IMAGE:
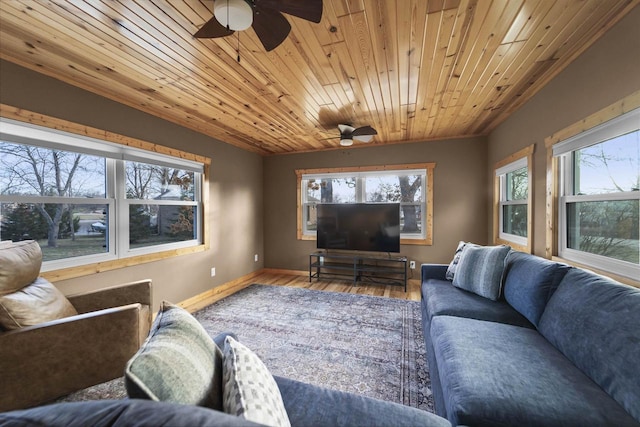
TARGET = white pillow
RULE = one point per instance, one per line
(248, 389)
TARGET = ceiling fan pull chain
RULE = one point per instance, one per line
(228, 29)
(238, 49)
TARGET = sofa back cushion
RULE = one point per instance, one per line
(529, 283)
(595, 323)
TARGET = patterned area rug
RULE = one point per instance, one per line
(355, 343)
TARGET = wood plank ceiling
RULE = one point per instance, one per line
(415, 70)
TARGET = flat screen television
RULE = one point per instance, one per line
(371, 227)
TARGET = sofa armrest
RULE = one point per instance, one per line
(42, 362)
(129, 293)
(434, 271)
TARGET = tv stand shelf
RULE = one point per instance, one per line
(359, 268)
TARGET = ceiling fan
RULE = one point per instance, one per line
(265, 16)
(348, 133)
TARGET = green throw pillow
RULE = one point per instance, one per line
(179, 362)
(480, 270)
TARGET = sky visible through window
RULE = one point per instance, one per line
(611, 166)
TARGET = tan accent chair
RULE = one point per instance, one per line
(43, 361)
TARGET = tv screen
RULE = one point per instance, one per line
(359, 226)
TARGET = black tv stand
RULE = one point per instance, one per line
(359, 268)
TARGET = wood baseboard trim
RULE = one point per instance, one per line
(287, 272)
(202, 300)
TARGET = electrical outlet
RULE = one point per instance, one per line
(213, 271)
(412, 265)
(255, 257)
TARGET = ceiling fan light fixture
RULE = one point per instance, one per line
(346, 142)
(235, 14)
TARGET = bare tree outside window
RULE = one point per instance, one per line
(598, 224)
(35, 171)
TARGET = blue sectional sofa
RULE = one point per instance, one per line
(307, 405)
(177, 379)
(559, 347)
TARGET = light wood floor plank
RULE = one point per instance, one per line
(299, 281)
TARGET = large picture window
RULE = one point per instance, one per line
(599, 196)
(513, 210)
(86, 200)
(408, 185)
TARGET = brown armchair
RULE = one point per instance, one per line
(43, 361)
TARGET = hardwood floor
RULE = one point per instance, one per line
(297, 280)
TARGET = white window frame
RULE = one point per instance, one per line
(563, 152)
(116, 155)
(360, 174)
(501, 174)
(519, 160)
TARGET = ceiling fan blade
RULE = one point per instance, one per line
(346, 129)
(310, 10)
(271, 27)
(365, 131)
(212, 29)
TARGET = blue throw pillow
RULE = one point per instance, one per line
(451, 270)
(480, 270)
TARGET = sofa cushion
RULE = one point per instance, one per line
(595, 322)
(35, 303)
(177, 363)
(20, 264)
(310, 405)
(249, 390)
(480, 270)
(440, 297)
(529, 283)
(496, 374)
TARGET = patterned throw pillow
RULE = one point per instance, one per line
(249, 390)
(451, 270)
(480, 270)
(179, 362)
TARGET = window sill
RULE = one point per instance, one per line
(88, 269)
(514, 245)
(617, 277)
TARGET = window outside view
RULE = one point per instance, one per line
(395, 187)
(158, 216)
(57, 198)
(63, 200)
(604, 218)
(514, 206)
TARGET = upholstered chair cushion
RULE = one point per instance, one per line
(179, 362)
(20, 264)
(36, 303)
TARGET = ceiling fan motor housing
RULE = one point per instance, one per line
(237, 15)
(348, 133)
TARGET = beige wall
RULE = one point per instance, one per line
(235, 213)
(605, 73)
(460, 211)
